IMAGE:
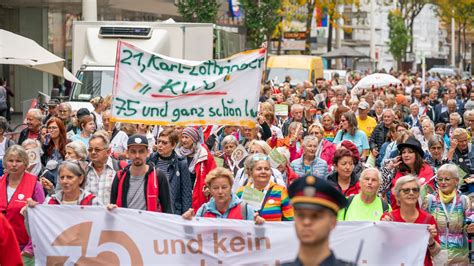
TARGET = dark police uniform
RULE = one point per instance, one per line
(329, 261)
(313, 193)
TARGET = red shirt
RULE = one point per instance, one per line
(423, 218)
(351, 190)
(32, 135)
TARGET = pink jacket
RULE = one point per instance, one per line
(327, 154)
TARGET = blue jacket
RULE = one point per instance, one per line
(181, 186)
(211, 207)
(319, 167)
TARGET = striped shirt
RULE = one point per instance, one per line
(276, 205)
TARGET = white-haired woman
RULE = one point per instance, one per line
(455, 121)
(367, 205)
(452, 212)
(407, 191)
(76, 150)
(229, 144)
(308, 163)
(242, 177)
(330, 130)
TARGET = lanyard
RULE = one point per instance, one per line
(450, 211)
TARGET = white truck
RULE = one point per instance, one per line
(95, 45)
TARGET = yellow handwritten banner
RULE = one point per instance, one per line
(155, 89)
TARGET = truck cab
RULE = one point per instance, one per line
(95, 47)
(96, 81)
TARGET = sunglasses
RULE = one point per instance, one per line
(407, 190)
(96, 150)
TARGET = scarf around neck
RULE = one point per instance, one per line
(447, 198)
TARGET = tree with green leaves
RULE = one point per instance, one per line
(461, 11)
(409, 10)
(399, 37)
(261, 19)
(198, 10)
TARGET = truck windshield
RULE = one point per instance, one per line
(278, 75)
(94, 83)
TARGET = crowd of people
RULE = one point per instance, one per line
(398, 153)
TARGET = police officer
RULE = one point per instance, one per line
(316, 203)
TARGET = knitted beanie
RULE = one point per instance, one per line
(192, 133)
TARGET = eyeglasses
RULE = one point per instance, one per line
(96, 150)
(53, 128)
(164, 142)
(415, 190)
(444, 180)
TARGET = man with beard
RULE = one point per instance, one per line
(140, 186)
(316, 203)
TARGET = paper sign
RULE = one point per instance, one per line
(276, 158)
(253, 197)
(281, 109)
(461, 172)
(319, 98)
(239, 154)
(219, 161)
(155, 89)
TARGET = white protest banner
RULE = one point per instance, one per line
(155, 89)
(94, 236)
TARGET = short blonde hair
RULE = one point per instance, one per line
(219, 172)
(460, 131)
(456, 116)
(16, 150)
(262, 144)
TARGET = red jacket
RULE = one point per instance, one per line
(234, 213)
(84, 202)
(9, 252)
(11, 209)
(202, 169)
(291, 175)
(426, 172)
(152, 190)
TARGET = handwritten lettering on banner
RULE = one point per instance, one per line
(155, 89)
(65, 235)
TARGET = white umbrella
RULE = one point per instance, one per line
(18, 50)
(377, 80)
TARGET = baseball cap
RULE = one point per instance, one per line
(138, 140)
(363, 105)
